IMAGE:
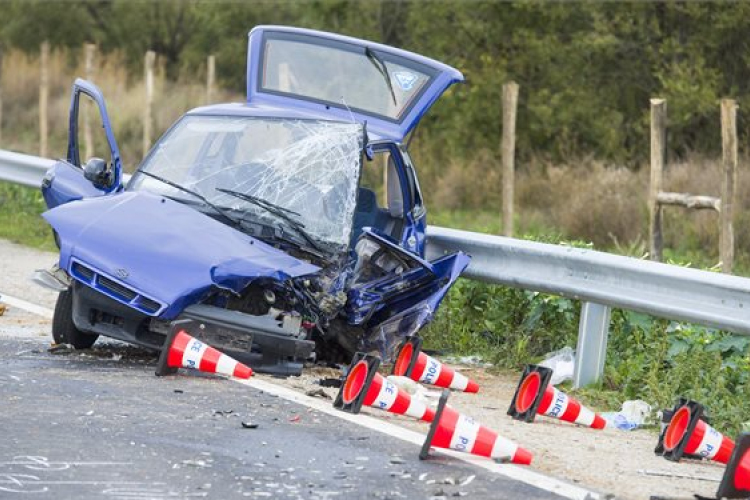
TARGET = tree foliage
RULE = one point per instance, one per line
(587, 69)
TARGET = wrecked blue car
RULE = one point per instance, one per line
(286, 228)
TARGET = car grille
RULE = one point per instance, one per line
(114, 289)
(83, 272)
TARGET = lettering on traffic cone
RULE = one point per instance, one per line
(736, 480)
(365, 386)
(181, 350)
(688, 434)
(455, 431)
(534, 394)
(413, 363)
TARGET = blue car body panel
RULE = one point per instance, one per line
(164, 250)
(406, 312)
(446, 76)
(64, 183)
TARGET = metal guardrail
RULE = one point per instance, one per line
(22, 169)
(600, 280)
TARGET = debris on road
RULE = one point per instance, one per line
(3, 308)
(318, 393)
(660, 473)
(249, 425)
(562, 364)
(61, 349)
(330, 382)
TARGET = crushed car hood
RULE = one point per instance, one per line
(163, 250)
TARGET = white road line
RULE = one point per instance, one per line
(515, 472)
(518, 473)
(26, 306)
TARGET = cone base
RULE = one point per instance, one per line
(425, 451)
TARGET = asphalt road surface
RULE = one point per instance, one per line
(99, 424)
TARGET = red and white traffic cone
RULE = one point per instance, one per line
(688, 434)
(736, 480)
(364, 385)
(181, 350)
(413, 363)
(535, 395)
(455, 431)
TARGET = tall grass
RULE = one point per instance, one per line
(124, 94)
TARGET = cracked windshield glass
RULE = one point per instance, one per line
(308, 169)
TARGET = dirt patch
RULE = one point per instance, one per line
(611, 461)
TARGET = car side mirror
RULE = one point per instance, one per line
(97, 172)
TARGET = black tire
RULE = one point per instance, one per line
(64, 331)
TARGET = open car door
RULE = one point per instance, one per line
(70, 179)
(389, 88)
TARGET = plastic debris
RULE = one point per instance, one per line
(634, 414)
(562, 363)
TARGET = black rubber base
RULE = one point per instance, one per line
(727, 488)
(696, 411)
(425, 452)
(162, 367)
(529, 415)
(416, 344)
(666, 419)
(373, 363)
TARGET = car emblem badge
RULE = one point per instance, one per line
(122, 273)
(405, 79)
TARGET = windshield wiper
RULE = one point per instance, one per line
(278, 211)
(218, 209)
(379, 64)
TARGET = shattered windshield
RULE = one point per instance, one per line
(307, 169)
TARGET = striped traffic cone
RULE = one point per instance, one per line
(688, 434)
(181, 350)
(535, 395)
(736, 480)
(364, 385)
(455, 431)
(413, 363)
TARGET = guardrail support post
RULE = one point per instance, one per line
(591, 352)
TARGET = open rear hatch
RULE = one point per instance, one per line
(346, 77)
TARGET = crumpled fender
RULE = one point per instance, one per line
(163, 249)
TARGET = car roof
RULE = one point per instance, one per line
(252, 110)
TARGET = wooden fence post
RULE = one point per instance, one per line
(658, 160)
(89, 50)
(149, 84)
(729, 184)
(510, 103)
(1, 94)
(210, 78)
(43, 98)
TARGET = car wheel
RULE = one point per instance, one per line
(64, 331)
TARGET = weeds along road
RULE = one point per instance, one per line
(99, 424)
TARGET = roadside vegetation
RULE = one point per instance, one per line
(586, 72)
